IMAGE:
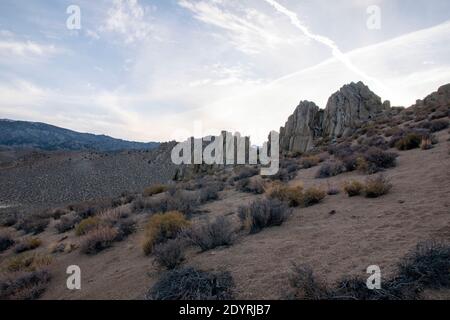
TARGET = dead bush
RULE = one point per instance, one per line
(312, 196)
(353, 188)
(309, 162)
(293, 196)
(408, 142)
(304, 284)
(211, 235)
(169, 254)
(27, 245)
(253, 185)
(245, 172)
(163, 227)
(33, 224)
(262, 214)
(330, 169)
(6, 241)
(376, 160)
(154, 189)
(192, 284)
(98, 239)
(377, 186)
(67, 222)
(24, 285)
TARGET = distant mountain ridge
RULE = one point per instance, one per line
(25, 134)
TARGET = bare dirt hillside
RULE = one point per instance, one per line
(361, 232)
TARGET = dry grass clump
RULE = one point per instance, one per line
(169, 254)
(6, 241)
(292, 195)
(67, 222)
(262, 214)
(253, 185)
(192, 284)
(163, 227)
(87, 225)
(309, 162)
(305, 285)
(27, 262)
(154, 189)
(211, 235)
(377, 186)
(375, 160)
(99, 239)
(27, 244)
(313, 196)
(409, 142)
(353, 188)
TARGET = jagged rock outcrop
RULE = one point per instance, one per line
(346, 110)
(302, 128)
(349, 108)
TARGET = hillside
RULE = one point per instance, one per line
(35, 135)
(371, 191)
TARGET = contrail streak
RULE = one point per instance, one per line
(337, 53)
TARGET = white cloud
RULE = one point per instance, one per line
(26, 49)
(248, 29)
(128, 19)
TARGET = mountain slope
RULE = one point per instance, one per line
(23, 134)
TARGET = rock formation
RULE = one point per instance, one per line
(348, 108)
(302, 128)
(346, 111)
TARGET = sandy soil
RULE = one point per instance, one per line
(363, 232)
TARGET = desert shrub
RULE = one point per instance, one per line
(154, 189)
(169, 254)
(6, 241)
(350, 162)
(87, 225)
(245, 172)
(377, 160)
(435, 125)
(292, 195)
(8, 219)
(251, 185)
(184, 202)
(408, 142)
(330, 169)
(283, 175)
(162, 227)
(24, 286)
(375, 141)
(332, 190)
(353, 188)
(262, 214)
(211, 234)
(67, 222)
(192, 284)
(58, 213)
(27, 245)
(304, 284)
(33, 224)
(312, 196)
(209, 193)
(27, 262)
(377, 186)
(426, 144)
(428, 266)
(125, 198)
(124, 227)
(98, 239)
(153, 204)
(309, 162)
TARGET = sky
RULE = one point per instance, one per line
(157, 70)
